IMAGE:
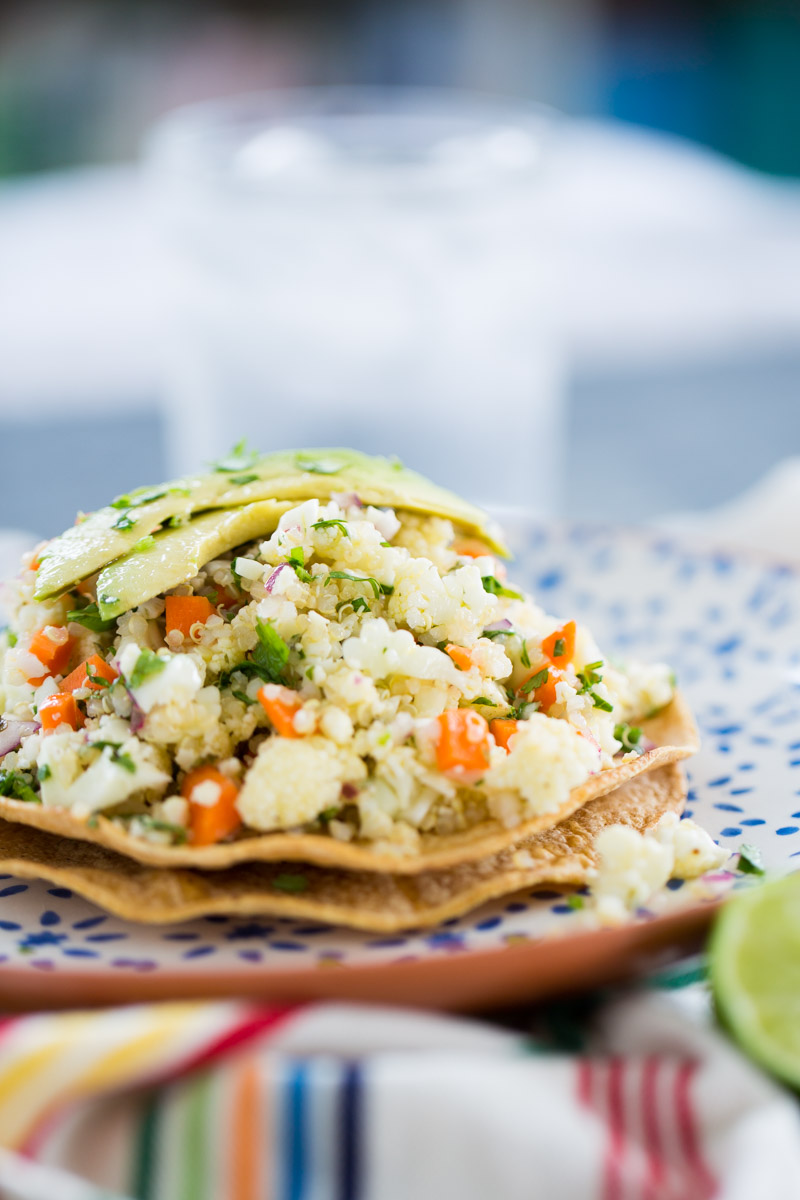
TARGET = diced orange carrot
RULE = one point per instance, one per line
(472, 548)
(460, 656)
(79, 678)
(53, 656)
(565, 634)
(545, 693)
(280, 704)
(502, 729)
(209, 823)
(463, 746)
(185, 611)
(60, 709)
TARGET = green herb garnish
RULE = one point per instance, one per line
(290, 883)
(43, 773)
(239, 459)
(144, 543)
(177, 831)
(559, 648)
(122, 760)
(17, 786)
(90, 618)
(589, 677)
(147, 664)
(11, 639)
(243, 696)
(575, 902)
(329, 524)
(629, 735)
(495, 587)
(377, 588)
(328, 814)
(484, 700)
(524, 657)
(317, 466)
(496, 633)
(241, 480)
(535, 681)
(358, 605)
(750, 861)
(100, 680)
(271, 654)
(296, 558)
(126, 521)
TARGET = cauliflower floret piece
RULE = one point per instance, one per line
(382, 652)
(176, 681)
(695, 850)
(631, 867)
(120, 771)
(547, 759)
(293, 780)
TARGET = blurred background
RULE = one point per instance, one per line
(648, 271)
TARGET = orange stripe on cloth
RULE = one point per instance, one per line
(248, 1177)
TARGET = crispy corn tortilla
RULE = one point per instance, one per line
(672, 730)
(364, 900)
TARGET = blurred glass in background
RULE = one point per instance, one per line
(359, 267)
(668, 274)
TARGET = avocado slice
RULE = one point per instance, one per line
(242, 479)
(176, 555)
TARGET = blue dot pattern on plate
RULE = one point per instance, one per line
(729, 626)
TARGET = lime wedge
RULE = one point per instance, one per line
(754, 958)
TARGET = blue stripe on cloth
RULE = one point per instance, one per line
(295, 1133)
(350, 1132)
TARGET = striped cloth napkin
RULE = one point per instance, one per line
(225, 1101)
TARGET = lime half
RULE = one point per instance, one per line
(754, 956)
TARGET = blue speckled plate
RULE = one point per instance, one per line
(731, 628)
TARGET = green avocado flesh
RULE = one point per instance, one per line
(106, 540)
(178, 554)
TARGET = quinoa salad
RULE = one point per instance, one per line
(361, 672)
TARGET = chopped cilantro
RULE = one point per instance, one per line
(536, 681)
(328, 814)
(495, 587)
(629, 735)
(377, 588)
(317, 466)
(177, 831)
(121, 502)
(243, 696)
(144, 543)
(559, 648)
(600, 703)
(296, 558)
(496, 633)
(176, 521)
(241, 480)
(43, 773)
(271, 654)
(239, 459)
(121, 760)
(386, 543)
(100, 680)
(575, 902)
(290, 883)
(90, 618)
(126, 521)
(484, 700)
(329, 524)
(589, 677)
(750, 861)
(11, 639)
(524, 657)
(17, 786)
(358, 605)
(147, 664)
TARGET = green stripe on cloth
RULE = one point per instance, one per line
(196, 1175)
(144, 1147)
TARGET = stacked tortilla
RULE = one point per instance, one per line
(177, 528)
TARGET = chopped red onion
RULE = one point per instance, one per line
(347, 499)
(12, 732)
(138, 717)
(349, 791)
(504, 623)
(274, 576)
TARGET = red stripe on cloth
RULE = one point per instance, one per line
(248, 1029)
(653, 1142)
(615, 1147)
(703, 1183)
